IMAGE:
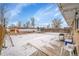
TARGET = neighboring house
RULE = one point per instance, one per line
(71, 15)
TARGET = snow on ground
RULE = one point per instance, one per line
(20, 42)
(19, 51)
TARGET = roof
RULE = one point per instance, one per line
(68, 10)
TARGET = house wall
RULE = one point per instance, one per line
(76, 36)
(76, 39)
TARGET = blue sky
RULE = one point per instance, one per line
(43, 13)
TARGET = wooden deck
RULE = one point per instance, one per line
(50, 49)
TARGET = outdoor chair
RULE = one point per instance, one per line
(68, 41)
(70, 48)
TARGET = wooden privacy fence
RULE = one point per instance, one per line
(2, 34)
(56, 30)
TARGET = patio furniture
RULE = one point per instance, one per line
(70, 48)
(61, 37)
(68, 41)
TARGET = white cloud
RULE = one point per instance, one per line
(57, 14)
(16, 10)
(47, 12)
(15, 23)
(37, 18)
(43, 25)
(57, 9)
(44, 12)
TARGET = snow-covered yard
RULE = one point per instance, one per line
(21, 46)
(20, 40)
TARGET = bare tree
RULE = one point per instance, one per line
(1, 14)
(3, 24)
(33, 21)
(3, 10)
(27, 24)
(19, 23)
(56, 23)
(24, 25)
(48, 26)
